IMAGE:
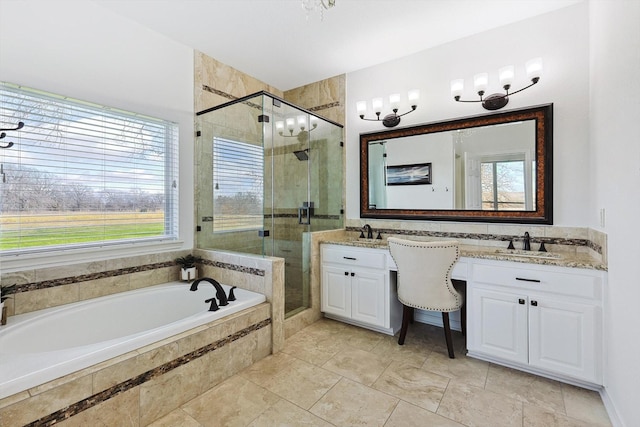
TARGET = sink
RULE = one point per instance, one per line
(528, 254)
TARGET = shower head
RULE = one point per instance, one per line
(301, 154)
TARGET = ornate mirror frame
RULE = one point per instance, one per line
(543, 213)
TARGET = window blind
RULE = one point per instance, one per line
(81, 174)
(237, 185)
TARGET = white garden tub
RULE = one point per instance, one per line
(40, 346)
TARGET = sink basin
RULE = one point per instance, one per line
(527, 254)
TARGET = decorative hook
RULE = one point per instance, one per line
(3, 134)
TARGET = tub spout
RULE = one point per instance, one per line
(222, 297)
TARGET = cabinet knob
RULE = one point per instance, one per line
(521, 301)
(346, 273)
(353, 274)
(534, 303)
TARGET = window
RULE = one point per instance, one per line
(81, 174)
(237, 186)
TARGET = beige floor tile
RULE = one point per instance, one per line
(535, 416)
(408, 415)
(475, 407)
(176, 418)
(585, 405)
(314, 348)
(526, 387)
(413, 352)
(462, 368)
(293, 379)
(358, 365)
(432, 338)
(361, 338)
(350, 403)
(286, 414)
(412, 384)
(234, 402)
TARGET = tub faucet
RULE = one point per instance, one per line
(222, 297)
(526, 242)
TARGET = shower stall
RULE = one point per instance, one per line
(268, 173)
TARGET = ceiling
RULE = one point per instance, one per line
(281, 44)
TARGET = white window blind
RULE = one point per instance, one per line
(237, 186)
(81, 174)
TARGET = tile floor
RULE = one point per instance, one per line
(334, 374)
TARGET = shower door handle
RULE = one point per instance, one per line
(303, 215)
(305, 212)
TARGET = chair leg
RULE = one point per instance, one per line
(447, 334)
(407, 314)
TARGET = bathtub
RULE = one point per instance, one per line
(44, 345)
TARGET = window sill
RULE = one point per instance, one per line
(14, 263)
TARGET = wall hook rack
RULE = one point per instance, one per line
(3, 134)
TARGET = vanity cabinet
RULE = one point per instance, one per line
(542, 319)
(357, 288)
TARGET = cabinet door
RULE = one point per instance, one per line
(563, 336)
(367, 293)
(336, 291)
(498, 324)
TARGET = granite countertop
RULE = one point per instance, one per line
(560, 259)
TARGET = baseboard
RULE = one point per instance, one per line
(611, 408)
(435, 318)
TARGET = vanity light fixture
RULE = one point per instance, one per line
(291, 125)
(506, 75)
(393, 119)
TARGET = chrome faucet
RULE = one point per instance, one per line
(526, 242)
(222, 297)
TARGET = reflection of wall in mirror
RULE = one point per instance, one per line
(377, 178)
(436, 149)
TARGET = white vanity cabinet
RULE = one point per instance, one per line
(357, 288)
(543, 319)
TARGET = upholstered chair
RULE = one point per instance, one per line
(424, 280)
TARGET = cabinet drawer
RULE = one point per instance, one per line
(570, 283)
(372, 258)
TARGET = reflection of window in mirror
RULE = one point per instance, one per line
(505, 182)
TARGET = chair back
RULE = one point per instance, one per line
(424, 273)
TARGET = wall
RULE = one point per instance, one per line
(81, 50)
(564, 83)
(615, 152)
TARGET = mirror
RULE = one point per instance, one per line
(488, 168)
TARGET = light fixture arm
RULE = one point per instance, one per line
(497, 100)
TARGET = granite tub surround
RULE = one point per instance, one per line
(40, 288)
(257, 273)
(143, 385)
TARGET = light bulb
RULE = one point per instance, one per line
(534, 69)
(457, 86)
(480, 82)
(414, 96)
(377, 105)
(394, 101)
(361, 106)
(506, 76)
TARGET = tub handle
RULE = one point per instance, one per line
(231, 296)
(214, 304)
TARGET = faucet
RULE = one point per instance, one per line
(526, 242)
(222, 297)
(369, 231)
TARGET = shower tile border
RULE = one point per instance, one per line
(103, 396)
